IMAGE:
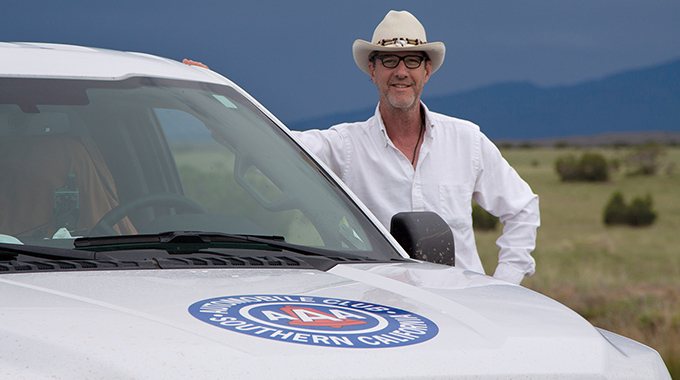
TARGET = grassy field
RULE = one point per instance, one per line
(622, 279)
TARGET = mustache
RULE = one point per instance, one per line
(400, 82)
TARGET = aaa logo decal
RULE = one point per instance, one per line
(318, 321)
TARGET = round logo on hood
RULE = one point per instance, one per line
(317, 321)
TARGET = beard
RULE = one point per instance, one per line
(402, 100)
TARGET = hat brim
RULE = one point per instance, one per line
(363, 49)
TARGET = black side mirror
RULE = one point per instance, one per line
(424, 236)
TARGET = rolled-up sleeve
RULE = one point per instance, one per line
(503, 193)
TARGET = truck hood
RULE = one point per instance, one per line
(402, 320)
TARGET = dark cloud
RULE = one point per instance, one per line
(295, 57)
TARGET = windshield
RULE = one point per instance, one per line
(83, 158)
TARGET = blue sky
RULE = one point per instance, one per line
(295, 57)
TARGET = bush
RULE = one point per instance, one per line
(638, 213)
(482, 220)
(591, 167)
(566, 167)
(644, 161)
(641, 213)
(616, 211)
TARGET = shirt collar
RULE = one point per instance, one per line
(428, 124)
(428, 120)
(381, 125)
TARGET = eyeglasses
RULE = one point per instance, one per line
(391, 61)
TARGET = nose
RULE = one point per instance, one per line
(401, 69)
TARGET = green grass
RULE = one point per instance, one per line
(622, 279)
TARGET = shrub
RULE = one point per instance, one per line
(483, 220)
(591, 167)
(644, 160)
(638, 213)
(566, 167)
(616, 211)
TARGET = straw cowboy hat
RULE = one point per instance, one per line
(399, 31)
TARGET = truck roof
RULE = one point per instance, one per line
(23, 59)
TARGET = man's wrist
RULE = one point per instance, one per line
(508, 273)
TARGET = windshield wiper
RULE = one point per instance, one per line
(47, 252)
(161, 240)
(185, 242)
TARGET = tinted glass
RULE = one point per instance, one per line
(145, 155)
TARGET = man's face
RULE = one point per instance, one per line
(400, 87)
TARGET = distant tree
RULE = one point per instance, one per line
(639, 213)
(616, 211)
(567, 168)
(621, 144)
(591, 167)
(644, 160)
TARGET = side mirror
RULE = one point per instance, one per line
(424, 236)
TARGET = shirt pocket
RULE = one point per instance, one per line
(455, 202)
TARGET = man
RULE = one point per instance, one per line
(407, 158)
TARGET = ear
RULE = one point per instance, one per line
(371, 70)
(428, 70)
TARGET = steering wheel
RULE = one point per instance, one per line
(180, 203)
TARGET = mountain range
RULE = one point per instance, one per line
(636, 101)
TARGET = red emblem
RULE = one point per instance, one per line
(306, 316)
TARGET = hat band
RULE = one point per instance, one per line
(400, 41)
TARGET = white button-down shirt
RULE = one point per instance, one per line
(457, 163)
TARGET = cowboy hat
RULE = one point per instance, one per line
(399, 31)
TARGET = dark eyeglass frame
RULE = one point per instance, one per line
(382, 57)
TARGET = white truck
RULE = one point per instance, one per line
(156, 222)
